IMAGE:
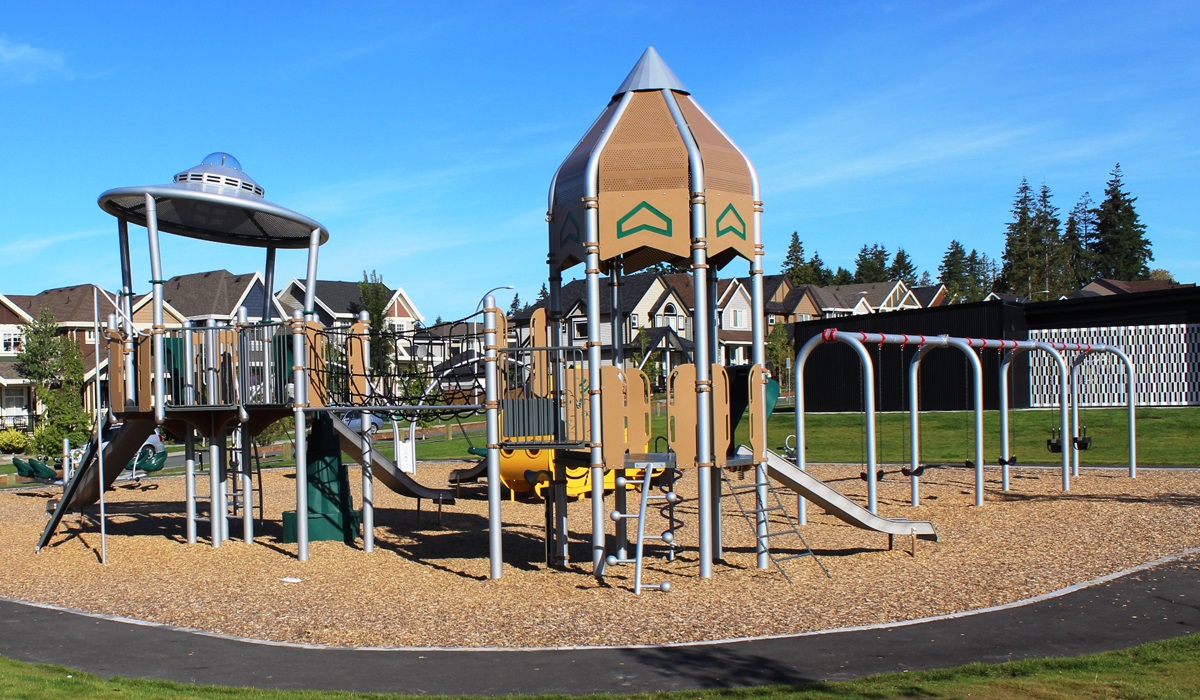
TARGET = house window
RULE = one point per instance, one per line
(770, 319)
(739, 318)
(10, 341)
(90, 337)
(581, 330)
(633, 321)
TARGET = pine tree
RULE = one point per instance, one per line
(794, 263)
(903, 268)
(871, 265)
(822, 276)
(1121, 249)
(926, 279)
(374, 297)
(1054, 277)
(1079, 237)
(953, 272)
(842, 276)
(1016, 276)
(515, 307)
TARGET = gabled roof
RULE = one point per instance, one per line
(70, 305)
(212, 294)
(771, 284)
(633, 289)
(932, 295)
(343, 300)
(681, 282)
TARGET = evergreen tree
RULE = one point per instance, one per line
(979, 276)
(1016, 275)
(926, 279)
(794, 264)
(903, 268)
(953, 272)
(374, 296)
(542, 295)
(515, 307)
(871, 265)
(778, 350)
(1079, 237)
(822, 276)
(1121, 248)
(842, 276)
(1054, 277)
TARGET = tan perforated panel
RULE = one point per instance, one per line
(644, 183)
(728, 189)
(566, 230)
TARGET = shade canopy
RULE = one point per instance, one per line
(215, 201)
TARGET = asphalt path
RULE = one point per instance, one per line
(1159, 601)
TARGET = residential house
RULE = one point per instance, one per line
(214, 295)
(74, 308)
(931, 295)
(1106, 287)
(339, 303)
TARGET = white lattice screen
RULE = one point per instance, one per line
(1166, 359)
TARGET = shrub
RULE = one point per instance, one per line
(13, 441)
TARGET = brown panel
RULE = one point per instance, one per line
(757, 413)
(356, 362)
(144, 367)
(722, 432)
(729, 205)
(644, 197)
(116, 371)
(567, 215)
(612, 417)
(681, 415)
(10, 317)
(314, 343)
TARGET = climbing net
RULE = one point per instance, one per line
(416, 374)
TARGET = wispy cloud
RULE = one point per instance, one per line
(25, 64)
(23, 247)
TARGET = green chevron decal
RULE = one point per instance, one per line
(731, 222)
(644, 217)
(569, 231)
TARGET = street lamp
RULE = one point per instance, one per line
(479, 306)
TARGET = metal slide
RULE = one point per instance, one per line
(385, 470)
(121, 444)
(838, 505)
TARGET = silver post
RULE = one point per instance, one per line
(491, 399)
(1005, 369)
(189, 466)
(365, 426)
(299, 403)
(160, 408)
(269, 285)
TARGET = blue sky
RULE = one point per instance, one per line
(424, 135)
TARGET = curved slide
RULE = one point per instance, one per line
(121, 444)
(385, 470)
(837, 504)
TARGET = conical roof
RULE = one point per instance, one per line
(651, 72)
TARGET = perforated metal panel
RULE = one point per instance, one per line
(644, 184)
(728, 189)
(567, 215)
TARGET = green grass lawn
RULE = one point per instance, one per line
(1164, 437)
(1169, 669)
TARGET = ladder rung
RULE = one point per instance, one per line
(768, 509)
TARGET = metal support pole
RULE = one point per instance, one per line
(559, 486)
(160, 408)
(310, 279)
(492, 401)
(243, 437)
(914, 422)
(299, 403)
(366, 426)
(189, 467)
(1074, 390)
(126, 308)
(701, 328)
(1063, 399)
(977, 382)
(269, 286)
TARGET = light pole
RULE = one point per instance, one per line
(479, 306)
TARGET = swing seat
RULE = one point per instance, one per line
(878, 475)
(1083, 443)
(919, 471)
(1054, 445)
(1011, 461)
(969, 464)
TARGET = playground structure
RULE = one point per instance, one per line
(654, 180)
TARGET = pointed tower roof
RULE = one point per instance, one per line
(651, 73)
